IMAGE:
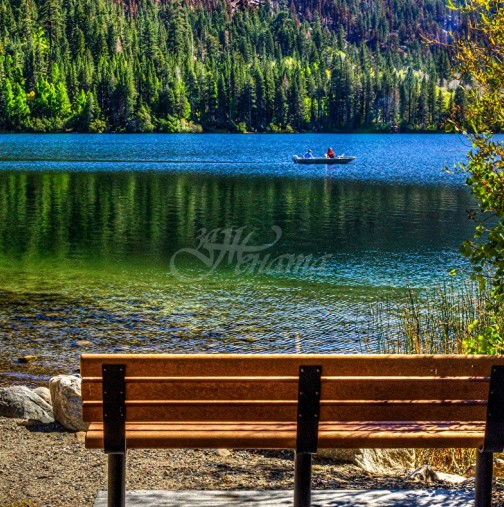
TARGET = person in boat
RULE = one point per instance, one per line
(308, 154)
(330, 153)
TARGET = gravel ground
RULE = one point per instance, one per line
(46, 466)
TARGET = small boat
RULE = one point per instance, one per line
(340, 159)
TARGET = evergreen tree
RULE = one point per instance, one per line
(95, 64)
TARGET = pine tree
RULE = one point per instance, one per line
(134, 65)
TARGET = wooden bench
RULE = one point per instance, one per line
(296, 402)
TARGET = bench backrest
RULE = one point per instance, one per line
(229, 387)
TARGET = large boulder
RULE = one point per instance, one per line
(379, 461)
(21, 402)
(44, 393)
(67, 402)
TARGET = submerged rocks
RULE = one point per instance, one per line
(27, 359)
(23, 403)
(67, 402)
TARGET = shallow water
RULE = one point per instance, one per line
(193, 243)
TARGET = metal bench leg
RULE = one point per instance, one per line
(302, 480)
(484, 472)
(116, 480)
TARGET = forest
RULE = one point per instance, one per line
(221, 66)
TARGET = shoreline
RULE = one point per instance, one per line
(219, 132)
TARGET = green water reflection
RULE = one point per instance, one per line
(146, 217)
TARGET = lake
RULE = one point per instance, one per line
(216, 243)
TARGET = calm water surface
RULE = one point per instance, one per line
(198, 243)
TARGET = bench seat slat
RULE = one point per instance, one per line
(287, 411)
(325, 378)
(379, 365)
(280, 403)
(280, 435)
(285, 388)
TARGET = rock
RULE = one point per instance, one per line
(21, 402)
(44, 393)
(81, 436)
(67, 402)
(83, 343)
(27, 359)
(380, 461)
(427, 474)
(224, 453)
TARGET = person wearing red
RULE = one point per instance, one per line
(330, 153)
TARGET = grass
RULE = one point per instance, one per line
(434, 321)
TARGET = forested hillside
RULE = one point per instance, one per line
(148, 65)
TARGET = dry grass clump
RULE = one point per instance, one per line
(454, 461)
(434, 321)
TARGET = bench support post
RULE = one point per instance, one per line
(483, 486)
(114, 435)
(302, 480)
(116, 496)
(494, 438)
(307, 431)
